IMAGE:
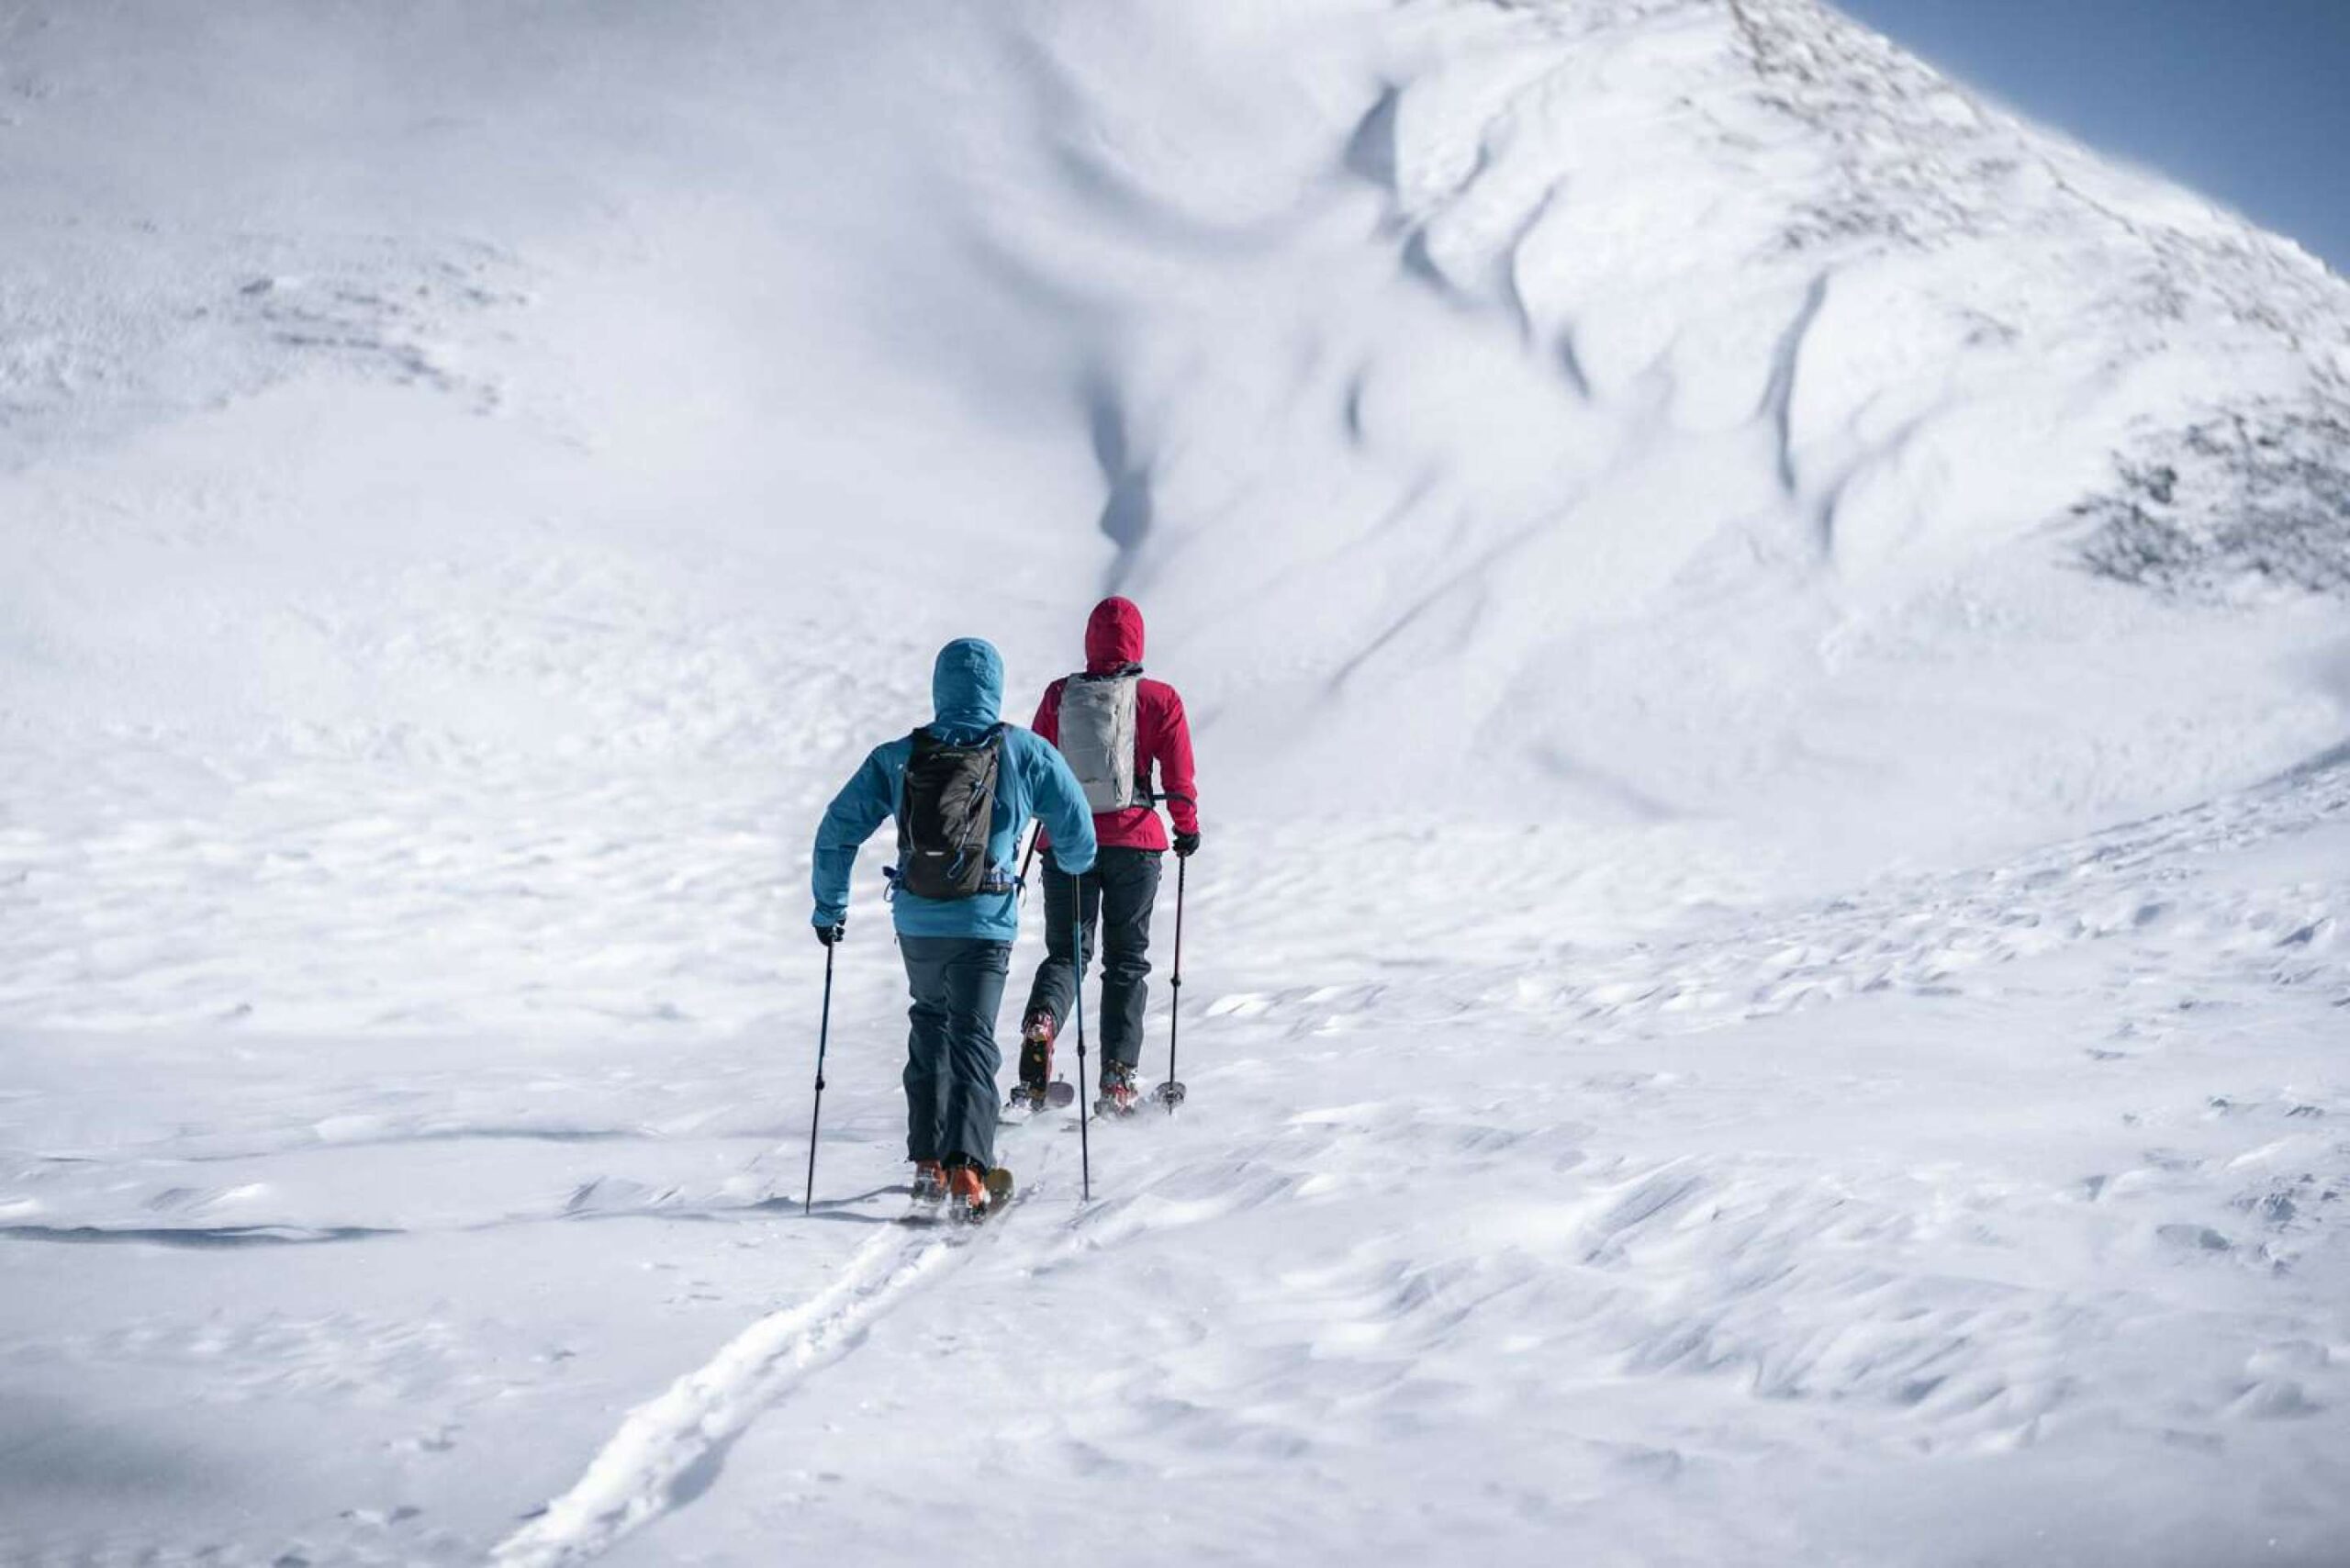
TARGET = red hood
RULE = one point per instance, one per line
(1113, 637)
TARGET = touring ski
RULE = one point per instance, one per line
(949, 1208)
(1025, 1101)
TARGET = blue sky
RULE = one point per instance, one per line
(2246, 100)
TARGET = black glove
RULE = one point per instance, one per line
(1186, 846)
(828, 934)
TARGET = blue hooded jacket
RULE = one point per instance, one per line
(966, 691)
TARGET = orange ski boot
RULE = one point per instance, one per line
(930, 1183)
(974, 1191)
(968, 1197)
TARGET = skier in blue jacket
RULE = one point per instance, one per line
(957, 951)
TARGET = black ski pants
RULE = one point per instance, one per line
(951, 1059)
(1117, 895)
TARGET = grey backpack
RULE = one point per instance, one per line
(1098, 739)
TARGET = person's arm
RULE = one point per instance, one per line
(1049, 715)
(1176, 782)
(1059, 801)
(860, 807)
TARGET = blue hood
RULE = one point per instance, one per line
(965, 690)
(1035, 780)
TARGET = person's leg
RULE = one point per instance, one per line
(1056, 984)
(926, 1075)
(1089, 914)
(1068, 901)
(1130, 888)
(974, 978)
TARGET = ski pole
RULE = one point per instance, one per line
(1173, 1092)
(1084, 1132)
(823, 1036)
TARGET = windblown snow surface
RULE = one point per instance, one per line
(1768, 982)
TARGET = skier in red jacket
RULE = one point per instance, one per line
(1118, 731)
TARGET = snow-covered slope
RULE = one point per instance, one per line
(1769, 662)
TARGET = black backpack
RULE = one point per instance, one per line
(945, 816)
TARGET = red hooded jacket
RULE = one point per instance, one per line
(1162, 735)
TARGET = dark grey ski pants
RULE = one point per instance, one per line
(951, 1060)
(1118, 893)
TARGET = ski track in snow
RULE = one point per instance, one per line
(669, 1449)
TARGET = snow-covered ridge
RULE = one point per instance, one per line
(1684, 326)
(2269, 467)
